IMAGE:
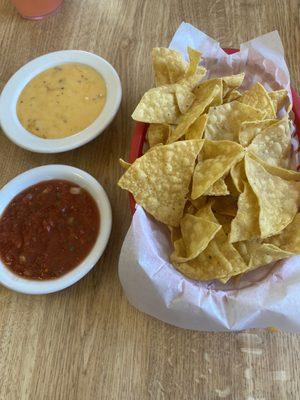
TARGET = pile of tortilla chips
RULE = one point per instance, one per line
(217, 170)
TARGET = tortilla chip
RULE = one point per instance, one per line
(196, 130)
(231, 186)
(217, 159)
(231, 96)
(232, 82)
(224, 122)
(286, 174)
(238, 175)
(124, 164)
(192, 81)
(278, 198)
(243, 249)
(245, 226)
(175, 233)
(258, 97)
(219, 188)
(189, 208)
(192, 115)
(168, 66)
(273, 144)
(289, 238)
(159, 106)
(159, 180)
(157, 133)
(210, 86)
(226, 205)
(249, 130)
(184, 97)
(199, 203)
(196, 234)
(225, 221)
(257, 254)
(279, 99)
(219, 260)
(195, 57)
(185, 122)
(265, 254)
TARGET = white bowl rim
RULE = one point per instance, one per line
(83, 179)
(11, 125)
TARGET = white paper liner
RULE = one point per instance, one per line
(265, 297)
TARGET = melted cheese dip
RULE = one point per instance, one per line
(62, 101)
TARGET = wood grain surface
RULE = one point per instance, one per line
(87, 342)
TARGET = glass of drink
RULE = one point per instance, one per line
(36, 9)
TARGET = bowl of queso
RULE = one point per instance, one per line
(55, 223)
(60, 101)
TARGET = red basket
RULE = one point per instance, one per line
(140, 130)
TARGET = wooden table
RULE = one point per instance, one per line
(87, 342)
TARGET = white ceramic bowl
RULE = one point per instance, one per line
(81, 178)
(19, 135)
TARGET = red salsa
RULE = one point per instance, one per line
(48, 229)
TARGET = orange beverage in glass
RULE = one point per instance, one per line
(36, 9)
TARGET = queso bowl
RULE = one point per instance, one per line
(19, 135)
(86, 181)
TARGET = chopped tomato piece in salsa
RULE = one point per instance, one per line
(48, 229)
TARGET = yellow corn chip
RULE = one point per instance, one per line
(278, 198)
(265, 254)
(231, 96)
(232, 82)
(289, 238)
(286, 174)
(199, 203)
(219, 188)
(157, 133)
(168, 66)
(124, 164)
(257, 254)
(158, 105)
(195, 57)
(154, 147)
(273, 144)
(184, 97)
(185, 122)
(192, 81)
(217, 159)
(175, 233)
(219, 260)
(225, 221)
(279, 99)
(196, 130)
(224, 122)
(231, 186)
(189, 208)
(258, 97)
(210, 86)
(238, 175)
(244, 249)
(188, 119)
(245, 225)
(196, 234)
(159, 180)
(249, 130)
(226, 205)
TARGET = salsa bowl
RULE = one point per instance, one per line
(92, 186)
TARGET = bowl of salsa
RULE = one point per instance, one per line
(55, 223)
